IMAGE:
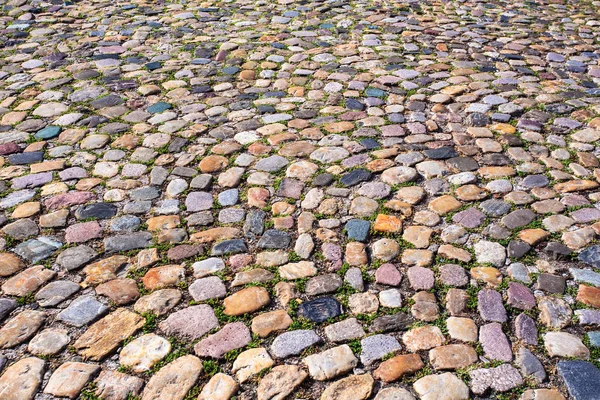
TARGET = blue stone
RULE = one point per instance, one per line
(582, 379)
(594, 337)
(326, 26)
(374, 92)
(370, 144)
(48, 132)
(358, 229)
(591, 256)
(200, 61)
(151, 66)
(159, 107)
(230, 70)
(29, 157)
(228, 197)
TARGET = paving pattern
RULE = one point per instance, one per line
(269, 199)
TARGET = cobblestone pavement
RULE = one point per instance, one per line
(269, 199)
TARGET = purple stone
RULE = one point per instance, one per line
(494, 342)
(469, 218)
(198, 201)
(586, 215)
(331, 251)
(575, 200)
(588, 317)
(416, 128)
(72, 173)
(490, 306)
(356, 160)
(453, 275)
(526, 330)
(567, 123)
(420, 278)
(392, 130)
(529, 124)
(519, 296)
(32, 180)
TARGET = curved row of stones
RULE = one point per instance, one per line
(299, 199)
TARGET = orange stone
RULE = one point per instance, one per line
(213, 163)
(454, 253)
(496, 172)
(387, 223)
(533, 236)
(163, 222)
(246, 301)
(164, 276)
(211, 235)
(575, 186)
(444, 205)
(489, 275)
(471, 193)
(589, 295)
(398, 366)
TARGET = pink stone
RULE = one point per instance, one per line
(9, 148)
(420, 278)
(221, 55)
(239, 261)
(494, 342)
(113, 50)
(83, 232)
(68, 199)
(387, 274)
(392, 130)
(232, 336)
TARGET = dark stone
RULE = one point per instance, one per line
(591, 256)
(358, 229)
(478, 119)
(131, 241)
(495, 159)
(518, 218)
(255, 223)
(582, 379)
(274, 239)
(233, 246)
(495, 207)
(517, 249)
(6, 306)
(354, 104)
(533, 181)
(321, 309)
(355, 177)
(394, 322)
(322, 180)
(97, 210)
(551, 283)
(441, 153)
(107, 101)
(370, 144)
(557, 251)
